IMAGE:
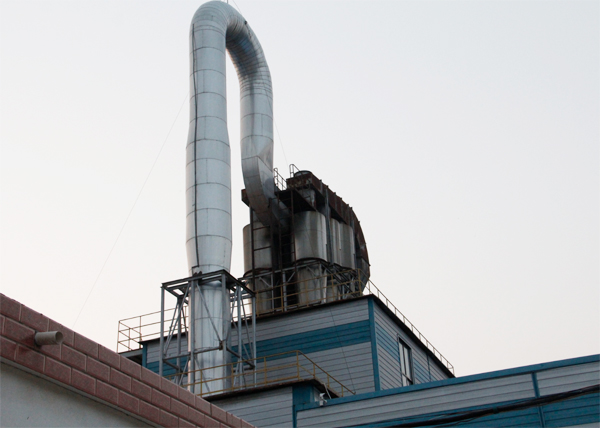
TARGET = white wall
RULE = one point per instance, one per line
(30, 401)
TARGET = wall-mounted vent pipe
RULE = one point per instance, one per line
(48, 338)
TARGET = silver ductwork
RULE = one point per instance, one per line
(310, 233)
(257, 247)
(217, 28)
(310, 241)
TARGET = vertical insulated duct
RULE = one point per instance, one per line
(217, 28)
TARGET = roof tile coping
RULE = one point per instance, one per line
(82, 365)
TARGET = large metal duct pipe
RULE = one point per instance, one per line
(217, 27)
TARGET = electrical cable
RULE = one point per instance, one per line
(236, 5)
(520, 405)
(130, 211)
(341, 348)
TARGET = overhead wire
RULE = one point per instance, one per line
(130, 211)
(454, 418)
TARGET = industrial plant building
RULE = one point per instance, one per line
(303, 338)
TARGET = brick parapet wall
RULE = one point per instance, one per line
(83, 365)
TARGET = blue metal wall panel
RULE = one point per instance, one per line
(167, 369)
(374, 356)
(315, 340)
(522, 418)
(273, 408)
(387, 342)
(577, 411)
(421, 374)
(390, 345)
(432, 400)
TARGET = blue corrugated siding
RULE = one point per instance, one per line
(372, 324)
(167, 369)
(421, 374)
(315, 340)
(387, 342)
(577, 411)
(390, 345)
(521, 418)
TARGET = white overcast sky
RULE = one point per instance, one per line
(465, 135)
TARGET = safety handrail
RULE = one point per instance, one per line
(296, 367)
(134, 330)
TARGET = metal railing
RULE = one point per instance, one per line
(280, 182)
(370, 288)
(272, 299)
(133, 331)
(294, 366)
(323, 287)
(332, 290)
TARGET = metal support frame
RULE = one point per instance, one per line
(347, 282)
(242, 304)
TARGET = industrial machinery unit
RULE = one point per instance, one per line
(321, 256)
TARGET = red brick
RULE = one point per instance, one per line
(52, 350)
(222, 425)
(129, 402)
(149, 412)
(9, 307)
(107, 392)
(234, 421)
(19, 333)
(120, 380)
(109, 357)
(85, 345)
(150, 378)
(73, 358)
(185, 424)
(218, 413)
(196, 417)
(83, 382)
(8, 348)
(169, 387)
(246, 424)
(168, 420)
(141, 390)
(186, 397)
(1, 323)
(58, 371)
(29, 358)
(97, 369)
(178, 408)
(211, 423)
(131, 368)
(161, 400)
(33, 319)
(202, 405)
(67, 333)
